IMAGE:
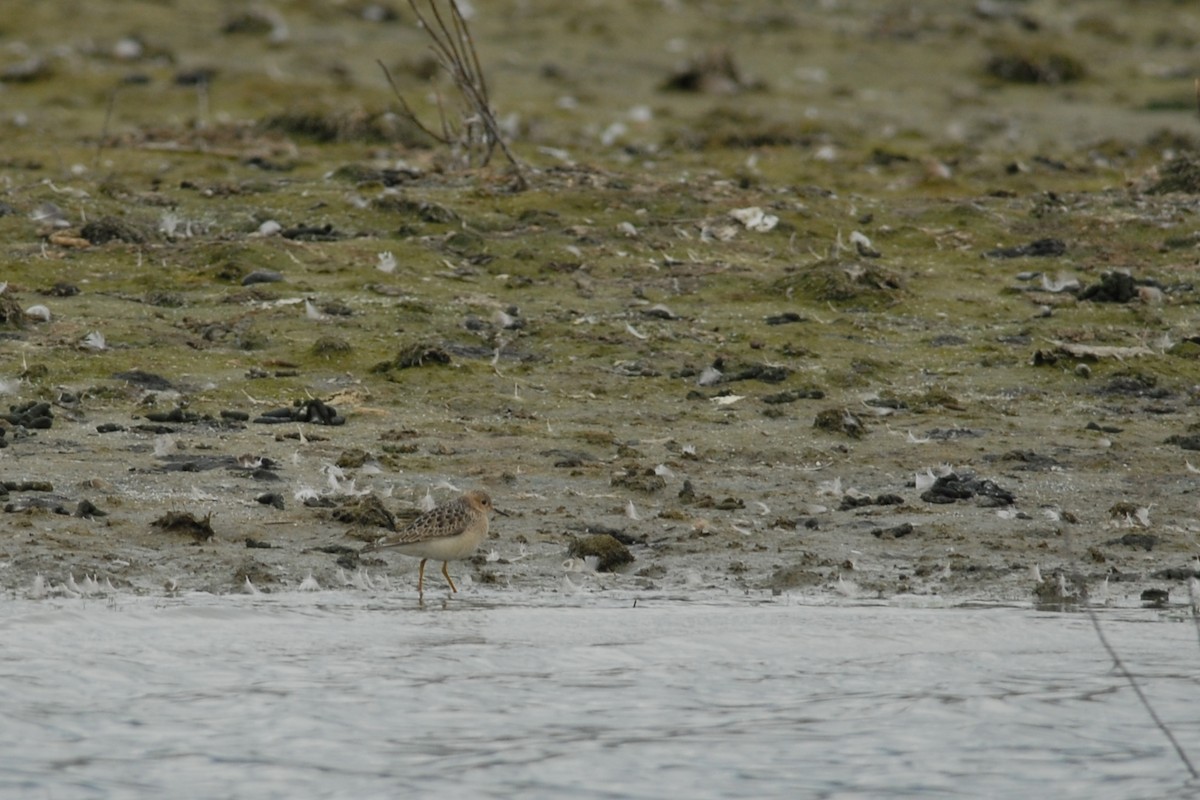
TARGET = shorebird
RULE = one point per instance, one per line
(449, 532)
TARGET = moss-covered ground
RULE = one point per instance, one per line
(739, 219)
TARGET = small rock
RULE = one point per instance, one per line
(273, 499)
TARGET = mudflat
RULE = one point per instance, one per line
(776, 297)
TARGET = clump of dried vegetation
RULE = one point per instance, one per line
(474, 132)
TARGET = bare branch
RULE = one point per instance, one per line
(478, 132)
(407, 111)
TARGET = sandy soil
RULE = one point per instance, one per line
(777, 268)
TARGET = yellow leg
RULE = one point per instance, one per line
(421, 579)
(453, 588)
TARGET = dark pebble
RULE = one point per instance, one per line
(174, 415)
(157, 430)
(785, 318)
(262, 276)
(792, 395)
(274, 499)
(1143, 541)
(336, 550)
(1155, 598)
(197, 76)
(895, 532)
(87, 510)
(309, 411)
(849, 503)
(144, 380)
(312, 233)
(1037, 248)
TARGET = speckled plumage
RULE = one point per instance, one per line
(449, 532)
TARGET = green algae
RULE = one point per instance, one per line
(853, 125)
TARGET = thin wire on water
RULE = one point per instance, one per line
(1194, 597)
(1121, 668)
(1120, 665)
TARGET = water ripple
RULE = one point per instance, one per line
(346, 696)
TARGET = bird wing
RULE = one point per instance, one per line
(435, 524)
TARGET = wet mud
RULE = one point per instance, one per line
(780, 297)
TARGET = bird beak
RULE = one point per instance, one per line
(499, 511)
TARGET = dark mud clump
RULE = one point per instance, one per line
(111, 229)
(1034, 65)
(1181, 174)
(331, 347)
(714, 72)
(639, 480)
(792, 395)
(32, 415)
(840, 420)
(894, 532)
(951, 488)
(365, 512)
(1035, 249)
(1114, 287)
(310, 410)
(837, 281)
(186, 523)
(144, 380)
(417, 354)
(850, 502)
(608, 552)
(795, 576)
(11, 313)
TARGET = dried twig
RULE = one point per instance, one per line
(411, 115)
(477, 132)
(108, 112)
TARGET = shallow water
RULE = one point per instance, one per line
(348, 695)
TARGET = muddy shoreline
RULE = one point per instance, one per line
(773, 280)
